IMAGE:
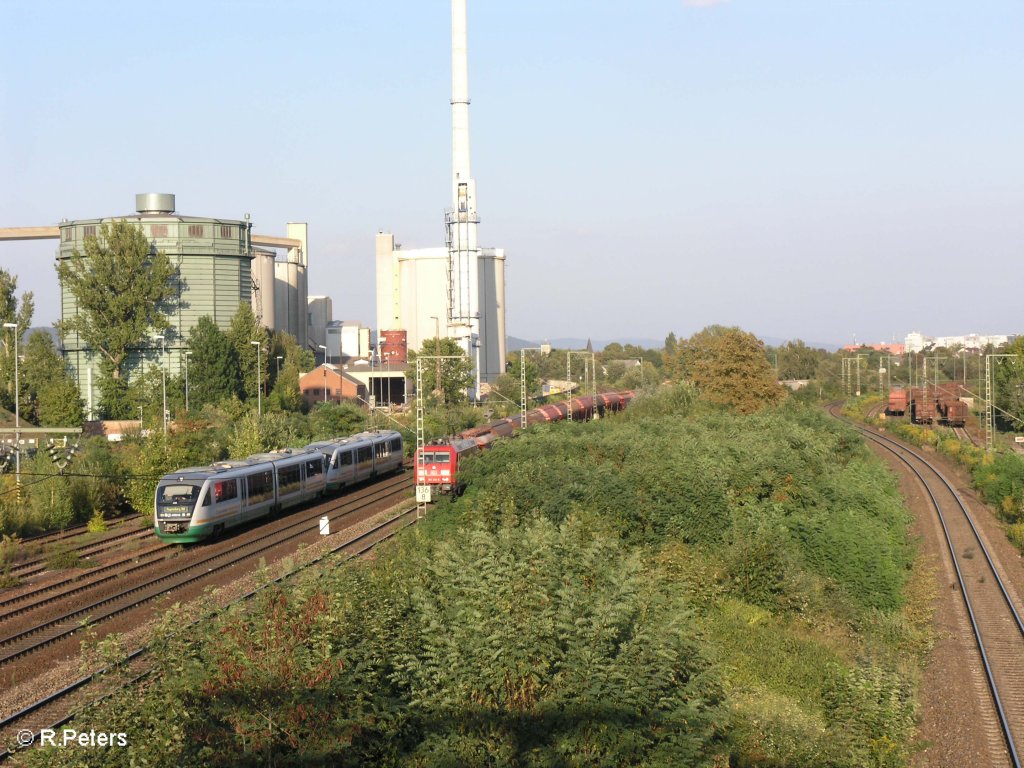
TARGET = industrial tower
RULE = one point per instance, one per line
(458, 291)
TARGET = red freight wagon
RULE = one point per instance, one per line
(898, 399)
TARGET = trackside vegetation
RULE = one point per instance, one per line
(676, 586)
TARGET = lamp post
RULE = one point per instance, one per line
(187, 356)
(279, 366)
(17, 409)
(163, 374)
(259, 371)
(437, 354)
(325, 370)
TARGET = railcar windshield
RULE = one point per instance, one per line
(177, 495)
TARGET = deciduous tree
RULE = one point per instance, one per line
(19, 313)
(729, 368)
(245, 329)
(124, 291)
(213, 365)
(48, 389)
(456, 374)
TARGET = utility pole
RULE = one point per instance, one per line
(522, 383)
(859, 356)
(990, 404)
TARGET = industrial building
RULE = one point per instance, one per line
(221, 265)
(458, 290)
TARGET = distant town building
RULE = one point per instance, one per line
(892, 349)
(918, 342)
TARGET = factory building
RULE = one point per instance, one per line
(458, 290)
(320, 311)
(221, 265)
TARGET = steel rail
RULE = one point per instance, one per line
(888, 443)
(254, 547)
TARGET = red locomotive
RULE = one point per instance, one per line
(437, 464)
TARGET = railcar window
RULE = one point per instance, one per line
(225, 490)
(289, 477)
(396, 445)
(178, 495)
(261, 487)
(364, 455)
(442, 458)
(314, 467)
(346, 459)
(381, 450)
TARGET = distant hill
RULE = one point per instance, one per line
(515, 344)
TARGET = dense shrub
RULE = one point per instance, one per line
(685, 587)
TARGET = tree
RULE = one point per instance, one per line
(1008, 381)
(21, 315)
(729, 368)
(510, 384)
(213, 365)
(123, 291)
(50, 395)
(671, 360)
(286, 395)
(798, 361)
(245, 329)
(456, 375)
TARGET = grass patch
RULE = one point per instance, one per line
(61, 558)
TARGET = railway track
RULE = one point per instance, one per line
(962, 434)
(37, 636)
(71, 531)
(85, 550)
(993, 613)
(53, 710)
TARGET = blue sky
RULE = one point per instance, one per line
(802, 169)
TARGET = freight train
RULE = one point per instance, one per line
(926, 405)
(437, 464)
(198, 502)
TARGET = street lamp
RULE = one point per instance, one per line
(325, 370)
(437, 354)
(17, 409)
(279, 366)
(163, 375)
(259, 371)
(187, 356)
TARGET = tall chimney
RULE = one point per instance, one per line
(463, 294)
(460, 99)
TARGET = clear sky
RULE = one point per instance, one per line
(810, 168)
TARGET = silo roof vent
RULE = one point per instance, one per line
(154, 202)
